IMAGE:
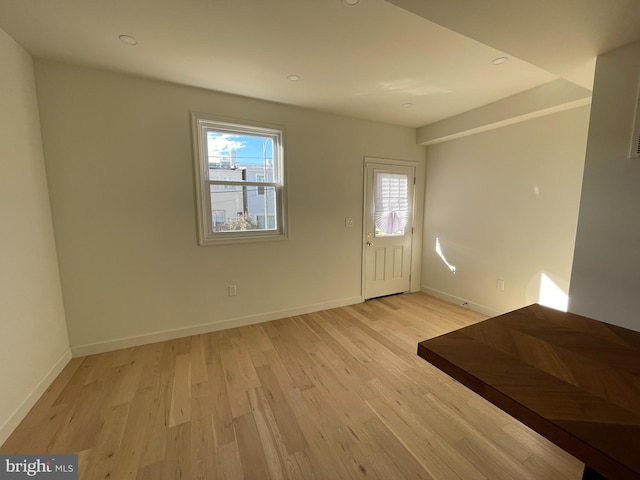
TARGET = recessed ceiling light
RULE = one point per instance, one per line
(294, 78)
(499, 60)
(351, 3)
(407, 105)
(128, 39)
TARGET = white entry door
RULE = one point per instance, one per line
(388, 227)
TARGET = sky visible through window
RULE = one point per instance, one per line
(248, 149)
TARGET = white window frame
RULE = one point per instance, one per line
(202, 123)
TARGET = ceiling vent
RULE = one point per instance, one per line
(634, 151)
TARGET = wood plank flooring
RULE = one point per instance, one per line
(337, 394)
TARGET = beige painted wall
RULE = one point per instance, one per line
(504, 205)
(118, 153)
(33, 343)
(606, 280)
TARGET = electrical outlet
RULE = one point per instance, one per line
(500, 285)
(348, 222)
(233, 290)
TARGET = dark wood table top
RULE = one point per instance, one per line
(574, 380)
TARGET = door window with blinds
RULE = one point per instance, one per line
(391, 204)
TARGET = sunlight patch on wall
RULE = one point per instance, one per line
(551, 295)
(441, 255)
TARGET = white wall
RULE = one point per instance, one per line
(504, 205)
(33, 339)
(118, 153)
(606, 277)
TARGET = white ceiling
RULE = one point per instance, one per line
(364, 61)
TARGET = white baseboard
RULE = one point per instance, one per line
(93, 348)
(18, 415)
(476, 307)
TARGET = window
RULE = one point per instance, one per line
(260, 178)
(239, 180)
(391, 204)
(219, 218)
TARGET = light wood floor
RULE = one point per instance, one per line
(328, 395)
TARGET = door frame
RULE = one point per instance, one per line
(394, 163)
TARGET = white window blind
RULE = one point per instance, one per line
(391, 203)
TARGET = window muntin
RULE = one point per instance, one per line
(239, 180)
